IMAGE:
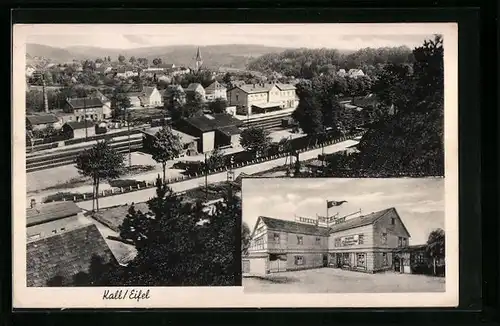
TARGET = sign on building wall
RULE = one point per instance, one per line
(349, 240)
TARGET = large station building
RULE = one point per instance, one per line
(367, 243)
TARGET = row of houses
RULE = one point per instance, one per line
(370, 243)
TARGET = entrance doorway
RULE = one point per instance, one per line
(338, 262)
(325, 260)
(397, 264)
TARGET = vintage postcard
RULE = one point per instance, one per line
(230, 165)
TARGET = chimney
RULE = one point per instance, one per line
(33, 203)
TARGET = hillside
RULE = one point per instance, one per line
(237, 55)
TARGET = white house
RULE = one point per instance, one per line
(148, 97)
(215, 91)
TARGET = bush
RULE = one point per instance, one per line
(124, 183)
(60, 196)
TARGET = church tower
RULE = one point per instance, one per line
(199, 60)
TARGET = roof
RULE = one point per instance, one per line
(230, 130)
(148, 90)
(362, 220)
(193, 87)
(43, 213)
(80, 103)
(80, 124)
(64, 255)
(293, 227)
(165, 65)
(212, 122)
(215, 86)
(286, 87)
(40, 119)
(185, 138)
(113, 216)
(255, 88)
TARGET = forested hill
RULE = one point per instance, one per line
(306, 63)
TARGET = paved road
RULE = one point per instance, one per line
(144, 195)
(330, 280)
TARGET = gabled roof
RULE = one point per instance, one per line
(43, 213)
(193, 87)
(255, 88)
(215, 86)
(80, 124)
(64, 255)
(80, 103)
(212, 122)
(40, 119)
(364, 220)
(148, 90)
(293, 227)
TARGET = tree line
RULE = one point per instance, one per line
(307, 63)
(408, 136)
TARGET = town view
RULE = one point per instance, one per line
(135, 157)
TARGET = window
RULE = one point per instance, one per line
(318, 240)
(346, 259)
(404, 242)
(300, 240)
(276, 237)
(299, 260)
(393, 221)
(385, 262)
(360, 260)
(361, 239)
(400, 242)
(384, 238)
(337, 242)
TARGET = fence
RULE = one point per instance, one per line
(141, 185)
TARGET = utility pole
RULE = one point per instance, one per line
(129, 151)
(206, 178)
(85, 115)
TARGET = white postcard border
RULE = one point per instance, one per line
(229, 297)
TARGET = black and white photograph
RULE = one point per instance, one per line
(132, 144)
(344, 235)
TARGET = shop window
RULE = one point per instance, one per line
(276, 237)
(300, 240)
(385, 261)
(361, 239)
(384, 238)
(361, 260)
(299, 260)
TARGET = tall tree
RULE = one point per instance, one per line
(121, 58)
(195, 104)
(168, 245)
(165, 147)
(255, 139)
(218, 106)
(308, 113)
(245, 238)
(120, 102)
(157, 61)
(215, 160)
(101, 162)
(436, 246)
(132, 60)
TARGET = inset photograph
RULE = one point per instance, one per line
(326, 235)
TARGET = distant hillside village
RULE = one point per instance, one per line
(81, 99)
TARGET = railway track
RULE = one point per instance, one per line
(68, 157)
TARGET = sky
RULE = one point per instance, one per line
(336, 36)
(419, 202)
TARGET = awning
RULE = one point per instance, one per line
(267, 105)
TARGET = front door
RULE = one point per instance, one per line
(325, 260)
(339, 260)
(397, 264)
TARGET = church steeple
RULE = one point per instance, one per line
(199, 60)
